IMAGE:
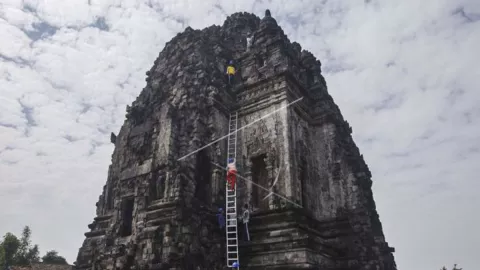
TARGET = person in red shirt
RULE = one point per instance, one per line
(231, 174)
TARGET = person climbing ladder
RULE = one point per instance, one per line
(221, 219)
(231, 174)
(230, 71)
(245, 220)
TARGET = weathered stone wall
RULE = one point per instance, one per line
(171, 200)
(157, 212)
(265, 140)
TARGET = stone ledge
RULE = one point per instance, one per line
(94, 233)
(277, 233)
(159, 204)
(102, 218)
(160, 212)
(136, 170)
(160, 221)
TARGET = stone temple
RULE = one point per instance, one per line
(157, 212)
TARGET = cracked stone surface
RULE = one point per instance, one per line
(156, 212)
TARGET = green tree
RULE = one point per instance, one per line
(8, 249)
(52, 257)
(26, 253)
(14, 251)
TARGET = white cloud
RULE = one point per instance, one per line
(403, 73)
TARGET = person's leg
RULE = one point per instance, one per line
(228, 181)
(247, 232)
(231, 181)
(234, 179)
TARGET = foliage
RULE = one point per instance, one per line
(8, 250)
(27, 254)
(21, 252)
(52, 257)
(454, 268)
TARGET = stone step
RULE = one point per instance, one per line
(159, 209)
(159, 204)
(303, 266)
(102, 218)
(270, 227)
(94, 233)
(159, 213)
(328, 228)
(159, 221)
(274, 243)
(287, 238)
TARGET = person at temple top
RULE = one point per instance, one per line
(221, 218)
(231, 174)
(230, 71)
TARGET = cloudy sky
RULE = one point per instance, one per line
(404, 74)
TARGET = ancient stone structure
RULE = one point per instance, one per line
(157, 212)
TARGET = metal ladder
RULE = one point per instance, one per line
(231, 198)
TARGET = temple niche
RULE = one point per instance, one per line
(260, 177)
(158, 211)
(203, 178)
(127, 216)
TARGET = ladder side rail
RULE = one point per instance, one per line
(231, 197)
